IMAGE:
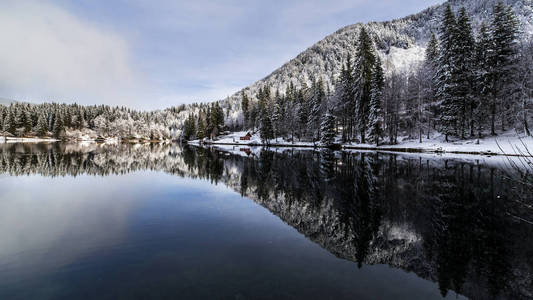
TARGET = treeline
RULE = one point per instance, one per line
(469, 85)
(472, 83)
(63, 121)
(208, 122)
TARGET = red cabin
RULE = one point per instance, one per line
(246, 137)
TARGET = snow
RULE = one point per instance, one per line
(509, 143)
(255, 140)
(402, 60)
(26, 140)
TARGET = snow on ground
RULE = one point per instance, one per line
(509, 143)
(255, 140)
(26, 140)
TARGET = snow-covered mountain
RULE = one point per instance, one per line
(400, 42)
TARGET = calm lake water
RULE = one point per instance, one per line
(171, 222)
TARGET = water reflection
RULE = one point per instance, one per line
(460, 223)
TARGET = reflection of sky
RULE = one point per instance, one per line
(55, 220)
(149, 232)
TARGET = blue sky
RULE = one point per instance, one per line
(154, 54)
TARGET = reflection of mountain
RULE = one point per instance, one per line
(448, 221)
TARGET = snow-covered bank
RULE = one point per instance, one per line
(26, 140)
(110, 140)
(508, 143)
(505, 144)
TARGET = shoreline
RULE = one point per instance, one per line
(387, 148)
(339, 147)
(103, 141)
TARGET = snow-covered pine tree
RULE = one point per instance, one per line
(278, 115)
(483, 84)
(464, 77)
(432, 51)
(303, 114)
(362, 77)
(209, 127)
(189, 131)
(327, 129)
(42, 125)
(200, 133)
(9, 122)
(375, 117)
(20, 119)
(317, 98)
(450, 103)
(344, 98)
(429, 78)
(267, 131)
(525, 85)
(245, 103)
(58, 127)
(504, 31)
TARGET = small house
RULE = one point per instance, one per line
(247, 137)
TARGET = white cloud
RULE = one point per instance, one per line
(46, 53)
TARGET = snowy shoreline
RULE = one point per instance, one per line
(52, 140)
(508, 144)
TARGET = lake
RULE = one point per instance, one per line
(90, 221)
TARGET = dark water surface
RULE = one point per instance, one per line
(166, 222)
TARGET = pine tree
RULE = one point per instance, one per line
(429, 77)
(482, 75)
(21, 120)
(327, 128)
(218, 118)
(210, 127)
(317, 97)
(525, 85)
(303, 113)
(266, 132)
(200, 134)
(9, 122)
(277, 120)
(345, 98)
(189, 130)
(375, 118)
(363, 80)
(464, 76)
(245, 103)
(42, 125)
(58, 127)
(504, 31)
(446, 75)
(432, 50)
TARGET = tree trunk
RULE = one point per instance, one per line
(493, 118)
(472, 118)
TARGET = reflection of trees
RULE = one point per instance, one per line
(366, 214)
(347, 202)
(469, 229)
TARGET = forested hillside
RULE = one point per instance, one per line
(459, 70)
(77, 122)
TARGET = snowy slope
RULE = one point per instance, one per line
(400, 42)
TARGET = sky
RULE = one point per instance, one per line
(150, 54)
